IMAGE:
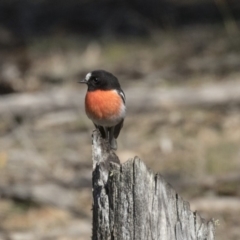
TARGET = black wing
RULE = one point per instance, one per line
(119, 126)
(122, 95)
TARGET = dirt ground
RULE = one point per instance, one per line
(45, 159)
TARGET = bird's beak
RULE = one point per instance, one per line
(82, 81)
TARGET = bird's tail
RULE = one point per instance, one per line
(111, 138)
(113, 143)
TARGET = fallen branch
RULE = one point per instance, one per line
(137, 99)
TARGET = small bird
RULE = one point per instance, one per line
(105, 104)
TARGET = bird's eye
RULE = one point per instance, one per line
(95, 80)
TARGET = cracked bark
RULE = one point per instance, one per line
(130, 202)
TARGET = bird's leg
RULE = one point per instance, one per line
(102, 130)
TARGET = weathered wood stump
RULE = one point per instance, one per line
(130, 202)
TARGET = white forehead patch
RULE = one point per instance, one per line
(88, 76)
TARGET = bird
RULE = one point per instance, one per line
(105, 104)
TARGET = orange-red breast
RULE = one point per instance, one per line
(105, 104)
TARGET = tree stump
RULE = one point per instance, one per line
(130, 202)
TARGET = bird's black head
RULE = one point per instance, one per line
(101, 80)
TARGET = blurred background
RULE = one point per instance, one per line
(179, 64)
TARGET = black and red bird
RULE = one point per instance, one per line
(105, 104)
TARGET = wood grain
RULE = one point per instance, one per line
(130, 202)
